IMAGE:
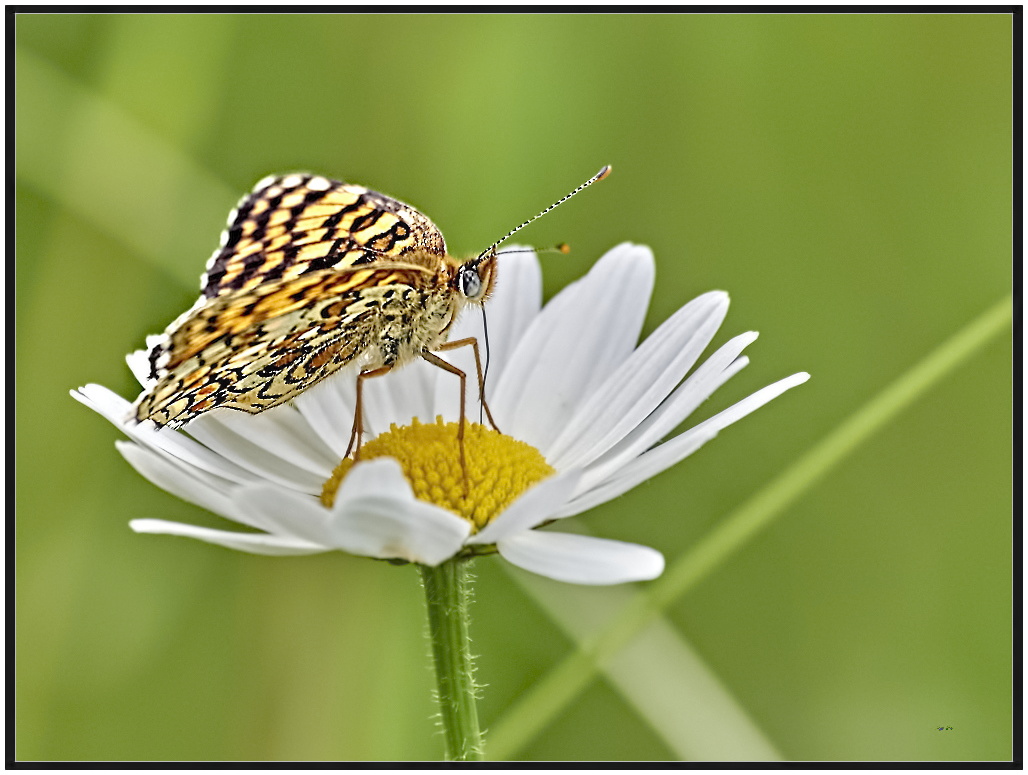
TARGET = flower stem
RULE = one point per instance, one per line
(447, 595)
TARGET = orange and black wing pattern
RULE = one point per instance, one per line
(290, 225)
(293, 294)
(255, 349)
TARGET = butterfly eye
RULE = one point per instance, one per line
(470, 282)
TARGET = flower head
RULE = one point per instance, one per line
(582, 409)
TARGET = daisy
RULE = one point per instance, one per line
(583, 411)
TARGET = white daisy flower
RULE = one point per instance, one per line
(582, 410)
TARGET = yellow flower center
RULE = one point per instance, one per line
(498, 468)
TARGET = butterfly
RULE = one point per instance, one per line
(313, 275)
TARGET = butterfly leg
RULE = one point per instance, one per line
(357, 431)
(435, 360)
(473, 343)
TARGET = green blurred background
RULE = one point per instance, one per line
(847, 178)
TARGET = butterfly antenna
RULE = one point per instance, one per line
(560, 247)
(598, 176)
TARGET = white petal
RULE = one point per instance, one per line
(573, 344)
(187, 482)
(255, 543)
(737, 411)
(283, 432)
(667, 454)
(139, 365)
(328, 408)
(640, 383)
(625, 480)
(165, 441)
(375, 515)
(699, 386)
(533, 507)
(367, 508)
(285, 512)
(402, 394)
(579, 559)
(258, 459)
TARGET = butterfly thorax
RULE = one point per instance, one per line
(413, 316)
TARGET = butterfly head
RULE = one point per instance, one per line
(475, 278)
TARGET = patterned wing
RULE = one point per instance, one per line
(257, 348)
(294, 224)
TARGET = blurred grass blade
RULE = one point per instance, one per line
(81, 150)
(557, 689)
(658, 673)
(187, 64)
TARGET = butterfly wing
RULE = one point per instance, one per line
(286, 299)
(257, 348)
(294, 224)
